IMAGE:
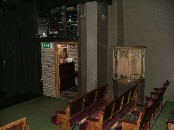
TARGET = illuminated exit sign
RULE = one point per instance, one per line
(46, 45)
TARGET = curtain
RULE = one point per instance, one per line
(22, 57)
(1, 71)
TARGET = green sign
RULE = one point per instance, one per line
(46, 45)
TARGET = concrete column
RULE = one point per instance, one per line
(120, 23)
(102, 44)
(91, 45)
(115, 37)
(112, 41)
(88, 48)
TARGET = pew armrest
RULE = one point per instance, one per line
(152, 93)
(172, 111)
(135, 112)
(93, 119)
(142, 104)
(157, 89)
(54, 120)
(170, 121)
(27, 127)
(148, 98)
(60, 112)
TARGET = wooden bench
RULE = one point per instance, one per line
(149, 112)
(113, 111)
(170, 124)
(80, 108)
(140, 124)
(153, 106)
(154, 110)
(145, 117)
(20, 124)
(160, 91)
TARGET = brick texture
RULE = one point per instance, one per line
(48, 72)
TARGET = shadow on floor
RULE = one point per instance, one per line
(10, 101)
(71, 94)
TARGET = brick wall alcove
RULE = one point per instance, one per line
(50, 59)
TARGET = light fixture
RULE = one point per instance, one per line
(104, 11)
(82, 10)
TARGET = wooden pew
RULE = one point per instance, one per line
(152, 105)
(127, 124)
(163, 88)
(145, 116)
(20, 124)
(95, 121)
(161, 91)
(154, 109)
(113, 111)
(80, 108)
(170, 124)
(140, 124)
(150, 112)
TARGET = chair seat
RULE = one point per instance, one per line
(172, 111)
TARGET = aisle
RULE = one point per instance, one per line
(164, 116)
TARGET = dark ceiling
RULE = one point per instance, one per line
(52, 3)
(44, 6)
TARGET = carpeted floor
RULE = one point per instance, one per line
(165, 114)
(10, 101)
(39, 110)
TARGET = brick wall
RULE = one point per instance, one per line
(73, 53)
(48, 71)
(48, 66)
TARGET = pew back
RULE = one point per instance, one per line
(146, 119)
(80, 108)
(108, 112)
(76, 106)
(101, 93)
(113, 111)
(133, 93)
(90, 99)
(118, 104)
(126, 98)
(20, 124)
(131, 125)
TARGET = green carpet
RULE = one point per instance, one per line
(165, 114)
(38, 112)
